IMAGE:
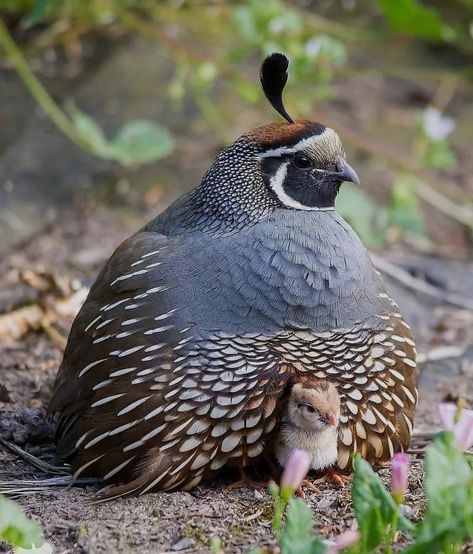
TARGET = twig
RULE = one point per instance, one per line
(417, 285)
(39, 92)
(425, 435)
(34, 461)
(440, 353)
(28, 486)
(53, 334)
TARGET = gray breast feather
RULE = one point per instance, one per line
(303, 270)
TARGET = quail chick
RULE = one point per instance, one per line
(311, 424)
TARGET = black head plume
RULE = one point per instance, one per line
(273, 76)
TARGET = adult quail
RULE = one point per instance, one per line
(196, 325)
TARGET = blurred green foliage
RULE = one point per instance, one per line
(245, 31)
(413, 18)
(137, 142)
(16, 528)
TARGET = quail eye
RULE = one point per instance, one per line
(310, 409)
(301, 161)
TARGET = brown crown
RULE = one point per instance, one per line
(275, 135)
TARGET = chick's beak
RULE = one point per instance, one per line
(331, 418)
(346, 173)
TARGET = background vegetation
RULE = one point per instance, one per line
(211, 43)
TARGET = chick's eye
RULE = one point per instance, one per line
(301, 161)
(310, 409)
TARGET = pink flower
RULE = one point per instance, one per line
(463, 428)
(344, 540)
(295, 470)
(399, 476)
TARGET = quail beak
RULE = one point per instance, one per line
(331, 419)
(346, 173)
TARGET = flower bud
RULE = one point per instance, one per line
(458, 420)
(295, 470)
(344, 540)
(399, 476)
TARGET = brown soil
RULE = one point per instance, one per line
(159, 522)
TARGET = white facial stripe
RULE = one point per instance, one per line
(276, 182)
(304, 144)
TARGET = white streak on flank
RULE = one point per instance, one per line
(150, 359)
(139, 380)
(124, 334)
(118, 468)
(124, 371)
(150, 254)
(409, 394)
(102, 384)
(175, 432)
(155, 347)
(131, 321)
(122, 428)
(106, 400)
(133, 405)
(90, 366)
(154, 412)
(146, 371)
(181, 344)
(153, 265)
(106, 322)
(108, 307)
(81, 439)
(408, 423)
(158, 329)
(277, 184)
(150, 291)
(128, 276)
(130, 351)
(96, 440)
(92, 323)
(137, 263)
(85, 466)
(165, 316)
(155, 482)
(181, 466)
(101, 339)
(132, 306)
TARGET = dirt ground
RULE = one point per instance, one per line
(161, 522)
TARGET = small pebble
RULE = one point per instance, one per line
(183, 544)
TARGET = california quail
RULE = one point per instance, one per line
(197, 323)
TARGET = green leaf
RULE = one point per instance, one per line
(362, 213)
(408, 16)
(16, 528)
(86, 126)
(38, 12)
(439, 154)
(297, 535)
(374, 507)
(139, 142)
(404, 209)
(448, 485)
